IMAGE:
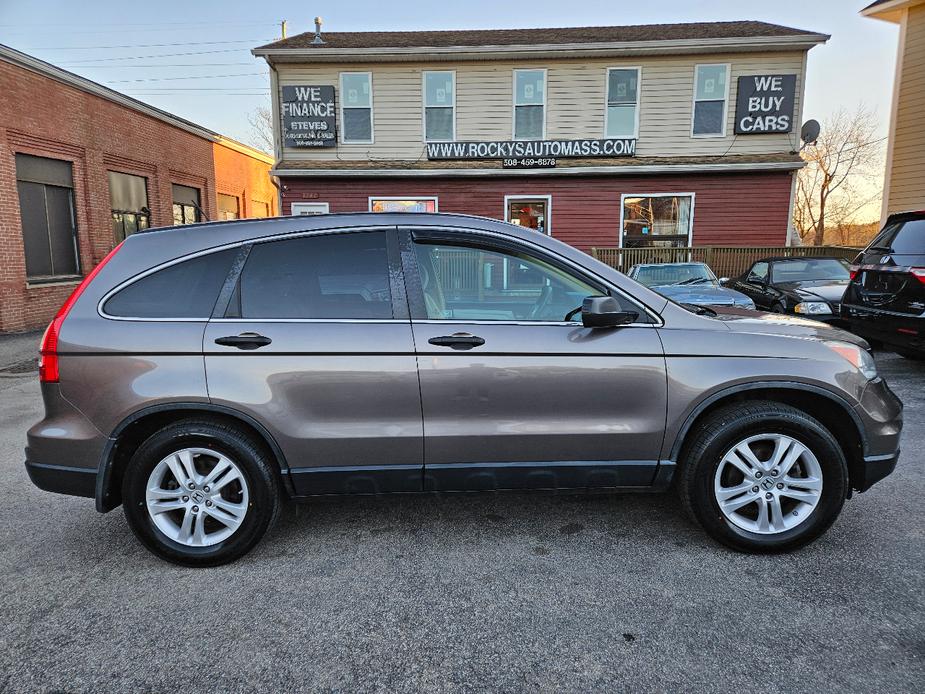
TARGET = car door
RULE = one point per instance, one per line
(515, 392)
(314, 342)
(754, 284)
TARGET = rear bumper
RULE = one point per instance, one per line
(62, 479)
(886, 326)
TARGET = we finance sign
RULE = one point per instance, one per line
(308, 115)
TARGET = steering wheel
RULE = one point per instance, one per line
(542, 303)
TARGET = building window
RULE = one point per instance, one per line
(439, 106)
(529, 104)
(663, 219)
(529, 211)
(49, 220)
(260, 209)
(711, 94)
(128, 200)
(300, 208)
(228, 207)
(186, 205)
(356, 107)
(622, 116)
(407, 204)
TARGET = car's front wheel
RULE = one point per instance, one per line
(200, 493)
(763, 477)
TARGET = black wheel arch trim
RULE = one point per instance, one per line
(764, 385)
(104, 502)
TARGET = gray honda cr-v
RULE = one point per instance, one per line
(201, 372)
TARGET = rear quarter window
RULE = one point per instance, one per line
(188, 289)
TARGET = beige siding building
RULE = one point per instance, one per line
(904, 189)
(682, 134)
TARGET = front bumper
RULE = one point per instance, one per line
(875, 468)
(881, 414)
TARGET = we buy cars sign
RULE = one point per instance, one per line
(764, 104)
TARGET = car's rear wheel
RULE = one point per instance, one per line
(763, 477)
(200, 493)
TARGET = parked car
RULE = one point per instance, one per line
(885, 300)
(808, 287)
(201, 372)
(688, 283)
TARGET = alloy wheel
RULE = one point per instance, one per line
(768, 484)
(197, 497)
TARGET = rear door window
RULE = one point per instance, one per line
(332, 276)
(188, 289)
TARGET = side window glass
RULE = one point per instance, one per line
(186, 290)
(758, 274)
(465, 283)
(335, 276)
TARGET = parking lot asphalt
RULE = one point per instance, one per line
(517, 592)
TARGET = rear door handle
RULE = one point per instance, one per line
(458, 341)
(244, 341)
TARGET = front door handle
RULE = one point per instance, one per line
(244, 341)
(458, 341)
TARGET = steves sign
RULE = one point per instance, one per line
(308, 115)
(526, 149)
(765, 104)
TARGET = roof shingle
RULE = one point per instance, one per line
(527, 37)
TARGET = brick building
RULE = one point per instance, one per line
(82, 165)
(683, 134)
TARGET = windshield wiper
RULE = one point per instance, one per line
(700, 310)
(694, 280)
(882, 249)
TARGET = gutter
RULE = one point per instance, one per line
(561, 171)
(567, 50)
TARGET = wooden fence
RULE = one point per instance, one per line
(725, 261)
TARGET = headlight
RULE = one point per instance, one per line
(860, 358)
(812, 308)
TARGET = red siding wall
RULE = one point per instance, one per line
(748, 209)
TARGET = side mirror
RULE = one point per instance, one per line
(604, 312)
(723, 281)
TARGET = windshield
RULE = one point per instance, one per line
(809, 270)
(674, 273)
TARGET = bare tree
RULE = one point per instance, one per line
(843, 175)
(261, 122)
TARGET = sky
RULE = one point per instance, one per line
(142, 49)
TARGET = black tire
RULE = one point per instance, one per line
(725, 428)
(778, 308)
(250, 456)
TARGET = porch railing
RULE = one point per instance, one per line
(725, 261)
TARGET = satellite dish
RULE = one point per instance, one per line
(809, 133)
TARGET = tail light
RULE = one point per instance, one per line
(853, 271)
(48, 351)
(919, 274)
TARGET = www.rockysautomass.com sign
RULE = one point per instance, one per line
(510, 149)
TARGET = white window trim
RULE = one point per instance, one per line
(546, 198)
(694, 99)
(301, 205)
(690, 224)
(424, 74)
(514, 103)
(638, 69)
(372, 123)
(403, 197)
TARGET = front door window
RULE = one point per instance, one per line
(657, 220)
(531, 213)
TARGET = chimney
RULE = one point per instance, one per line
(317, 40)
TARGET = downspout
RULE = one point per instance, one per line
(277, 144)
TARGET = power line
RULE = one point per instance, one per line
(197, 89)
(142, 45)
(189, 77)
(150, 65)
(160, 55)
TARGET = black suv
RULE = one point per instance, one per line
(885, 300)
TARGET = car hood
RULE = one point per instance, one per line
(781, 324)
(816, 291)
(702, 294)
